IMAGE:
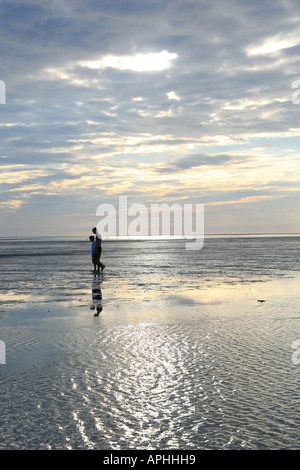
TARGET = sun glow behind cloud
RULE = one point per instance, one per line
(139, 63)
(272, 46)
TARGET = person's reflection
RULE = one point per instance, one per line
(96, 296)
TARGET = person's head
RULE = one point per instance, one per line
(92, 238)
(94, 230)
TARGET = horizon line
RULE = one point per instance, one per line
(158, 237)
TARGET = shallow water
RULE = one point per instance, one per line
(192, 350)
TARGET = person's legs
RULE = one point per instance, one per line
(101, 264)
(96, 259)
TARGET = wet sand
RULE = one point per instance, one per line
(167, 364)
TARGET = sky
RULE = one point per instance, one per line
(162, 101)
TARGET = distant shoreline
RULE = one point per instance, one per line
(159, 238)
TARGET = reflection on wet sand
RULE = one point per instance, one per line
(96, 295)
(184, 354)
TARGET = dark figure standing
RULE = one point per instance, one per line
(97, 251)
(92, 240)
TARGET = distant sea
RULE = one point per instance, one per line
(190, 350)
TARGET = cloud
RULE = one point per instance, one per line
(173, 96)
(273, 45)
(139, 63)
(192, 161)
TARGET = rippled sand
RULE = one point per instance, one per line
(166, 365)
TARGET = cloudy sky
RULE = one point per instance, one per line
(162, 101)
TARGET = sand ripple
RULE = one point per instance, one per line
(151, 386)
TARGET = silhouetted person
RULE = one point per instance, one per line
(97, 251)
(94, 261)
